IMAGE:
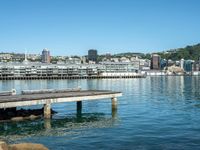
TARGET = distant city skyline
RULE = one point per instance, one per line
(73, 27)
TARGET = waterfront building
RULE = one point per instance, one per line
(46, 58)
(121, 66)
(163, 63)
(195, 66)
(92, 55)
(33, 69)
(155, 62)
(188, 65)
(144, 64)
(182, 63)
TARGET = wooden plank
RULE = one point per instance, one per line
(44, 98)
(46, 91)
(53, 95)
(9, 104)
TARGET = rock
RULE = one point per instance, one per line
(175, 69)
(17, 118)
(3, 146)
(27, 146)
(32, 117)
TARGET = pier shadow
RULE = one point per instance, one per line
(15, 131)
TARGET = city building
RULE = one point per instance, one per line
(182, 63)
(144, 64)
(84, 59)
(73, 60)
(163, 63)
(188, 65)
(18, 57)
(155, 62)
(196, 66)
(35, 69)
(46, 58)
(108, 55)
(92, 55)
(124, 59)
(114, 59)
(116, 67)
(5, 57)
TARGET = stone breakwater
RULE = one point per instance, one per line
(22, 146)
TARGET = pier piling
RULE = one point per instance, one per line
(114, 102)
(79, 107)
(47, 110)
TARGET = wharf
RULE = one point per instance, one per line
(68, 77)
(47, 98)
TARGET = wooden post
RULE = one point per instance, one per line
(47, 124)
(114, 113)
(79, 107)
(47, 110)
(114, 103)
(114, 107)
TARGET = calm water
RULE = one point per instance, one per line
(153, 113)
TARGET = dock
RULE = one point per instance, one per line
(50, 77)
(48, 97)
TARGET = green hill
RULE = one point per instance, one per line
(189, 52)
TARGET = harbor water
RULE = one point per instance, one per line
(153, 113)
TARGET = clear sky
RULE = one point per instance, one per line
(71, 27)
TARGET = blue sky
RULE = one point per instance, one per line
(71, 27)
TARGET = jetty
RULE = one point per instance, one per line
(49, 97)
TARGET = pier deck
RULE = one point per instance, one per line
(47, 99)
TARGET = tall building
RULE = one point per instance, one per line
(182, 63)
(155, 62)
(46, 58)
(92, 55)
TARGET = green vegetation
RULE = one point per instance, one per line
(189, 52)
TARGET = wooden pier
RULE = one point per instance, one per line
(47, 98)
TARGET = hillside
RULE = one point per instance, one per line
(189, 52)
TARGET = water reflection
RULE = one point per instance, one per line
(14, 131)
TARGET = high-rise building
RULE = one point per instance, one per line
(182, 63)
(155, 62)
(46, 58)
(92, 55)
